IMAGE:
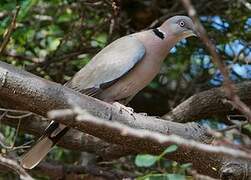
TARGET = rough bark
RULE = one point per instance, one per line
(40, 96)
(210, 103)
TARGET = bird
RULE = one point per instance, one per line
(117, 73)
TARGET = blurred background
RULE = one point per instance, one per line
(55, 38)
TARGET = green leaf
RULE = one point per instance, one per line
(26, 5)
(186, 165)
(53, 43)
(248, 127)
(145, 160)
(164, 176)
(176, 177)
(169, 150)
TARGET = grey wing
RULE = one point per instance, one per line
(110, 64)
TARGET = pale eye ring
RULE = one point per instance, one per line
(182, 23)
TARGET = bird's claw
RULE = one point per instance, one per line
(121, 106)
(143, 114)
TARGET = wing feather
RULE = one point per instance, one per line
(110, 64)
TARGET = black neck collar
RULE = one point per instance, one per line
(158, 33)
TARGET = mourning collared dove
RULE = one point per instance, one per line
(117, 73)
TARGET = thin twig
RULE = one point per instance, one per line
(229, 87)
(16, 167)
(13, 110)
(198, 176)
(18, 116)
(246, 4)
(12, 147)
(2, 115)
(23, 146)
(16, 134)
(231, 119)
(236, 126)
(9, 31)
(21, 57)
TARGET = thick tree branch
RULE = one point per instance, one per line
(121, 134)
(40, 96)
(208, 104)
(144, 140)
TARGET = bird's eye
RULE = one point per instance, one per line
(182, 23)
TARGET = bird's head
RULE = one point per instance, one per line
(179, 26)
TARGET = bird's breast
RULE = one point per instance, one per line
(142, 73)
(135, 80)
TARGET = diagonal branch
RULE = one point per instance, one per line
(228, 85)
(120, 134)
(208, 103)
(9, 31)
(41, 96)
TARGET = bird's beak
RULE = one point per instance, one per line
(192, 33)
(189, 33)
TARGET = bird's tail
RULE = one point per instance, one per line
(52, 135)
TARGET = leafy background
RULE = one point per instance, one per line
(56, 38)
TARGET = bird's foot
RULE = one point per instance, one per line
(123, 107)
(143, 114)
